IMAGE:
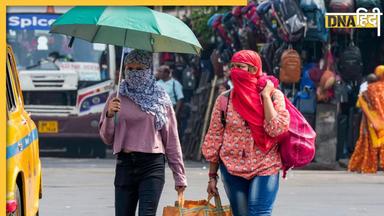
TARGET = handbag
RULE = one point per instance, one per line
(297, 146)
(197, 207)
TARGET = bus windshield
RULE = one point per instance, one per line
(37, 49)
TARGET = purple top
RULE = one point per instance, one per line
(135, 131)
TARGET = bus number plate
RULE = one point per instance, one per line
(48, 127)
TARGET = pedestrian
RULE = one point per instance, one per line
(243, 145)
(368, 155)
(172, 87)
(141, 127)
(223, 87)
(369, 79)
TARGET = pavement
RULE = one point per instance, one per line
(85, 187)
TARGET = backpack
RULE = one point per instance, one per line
(368, 4)
(315, 74)
(305, 100)
(267, 53)
(351, 64)
(231, 27)
(216, 23)
(342, 91)
(277, 59)
(264, 10)
(327, 79)
(290, 67)
(306, 80)
(291, 19)
(253, 21)
(297, 146)
(342, 6)
(314, 11)
(248, 39)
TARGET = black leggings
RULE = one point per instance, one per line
(139, 177)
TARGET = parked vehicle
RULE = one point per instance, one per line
(23, 188)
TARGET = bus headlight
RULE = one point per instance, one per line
(85, 105)
(96, 100)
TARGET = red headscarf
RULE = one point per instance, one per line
(246, 97)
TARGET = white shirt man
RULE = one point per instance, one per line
(171, 86)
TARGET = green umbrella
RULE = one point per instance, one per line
(133, 27)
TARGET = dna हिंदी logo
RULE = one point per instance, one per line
(361, 19)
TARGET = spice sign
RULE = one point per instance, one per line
(30, 21)
(363, 18)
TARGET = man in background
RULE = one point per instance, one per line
(172, 87)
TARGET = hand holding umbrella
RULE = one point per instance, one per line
(113, 107)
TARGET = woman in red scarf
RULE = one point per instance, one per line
(245, 146)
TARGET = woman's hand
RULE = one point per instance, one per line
(212, 187)
(180, 189)
(269, 109)
(113, 107)
(269, 87)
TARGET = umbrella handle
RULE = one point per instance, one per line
(71, 42)
(115, 118)
(120, 72)
(118, 84)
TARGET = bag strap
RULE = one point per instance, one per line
(174, 90)
(218, 204)
(180, 200)
(223, 118)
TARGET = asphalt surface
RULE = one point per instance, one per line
(85, 187)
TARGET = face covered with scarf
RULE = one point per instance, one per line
(246, 97)
(140, 86)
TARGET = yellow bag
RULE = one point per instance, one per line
(197, 208)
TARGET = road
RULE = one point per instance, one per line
(85, 187)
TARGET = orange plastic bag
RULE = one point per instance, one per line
(197, 208)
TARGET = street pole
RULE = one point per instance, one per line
(207, 114)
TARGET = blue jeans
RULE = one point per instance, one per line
(254, 197)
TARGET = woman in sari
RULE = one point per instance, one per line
(369, 151)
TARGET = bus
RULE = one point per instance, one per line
(64, 88)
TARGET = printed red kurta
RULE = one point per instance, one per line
(235, 146)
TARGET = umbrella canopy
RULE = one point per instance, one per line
(134, 27)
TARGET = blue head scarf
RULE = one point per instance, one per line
(141, 87)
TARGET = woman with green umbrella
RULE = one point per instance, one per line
(145, 133)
